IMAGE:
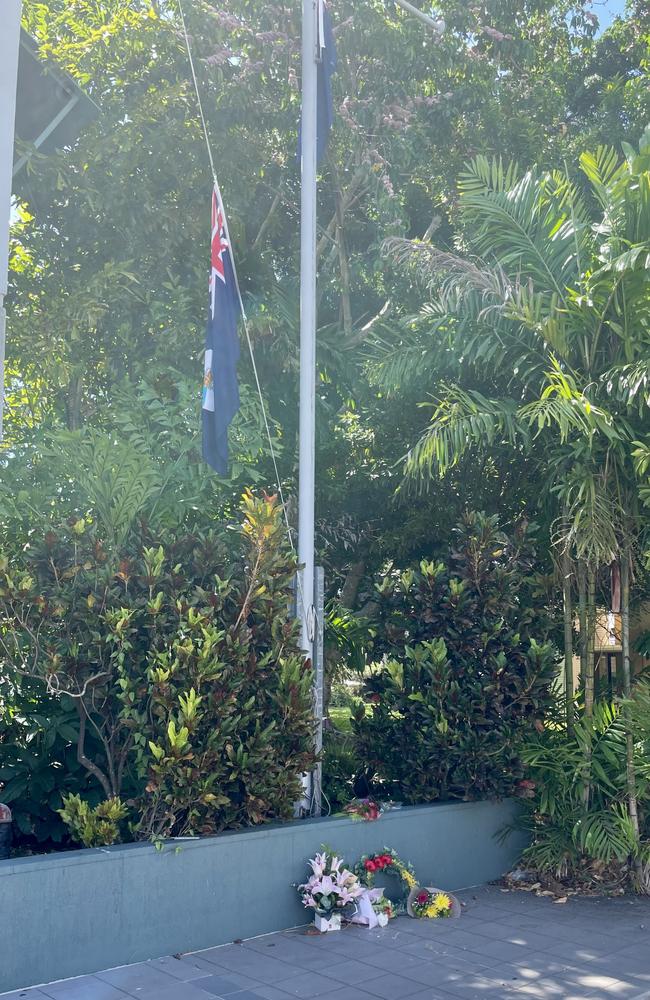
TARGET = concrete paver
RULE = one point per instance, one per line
(506, 946)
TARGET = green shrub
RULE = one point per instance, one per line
(575, 810)
(342, 769)
(463, 677)
(344, 696)
(38, 761)
(93, 827)
(181, 659)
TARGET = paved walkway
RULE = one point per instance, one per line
(506, 945)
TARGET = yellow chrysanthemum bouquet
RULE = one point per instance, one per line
(432, 905)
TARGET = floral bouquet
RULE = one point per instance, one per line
(432, 904)
(387, 860)
(363, 809)
(329, 889)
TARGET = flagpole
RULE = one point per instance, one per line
(307, 442)
(306, 462)
(9, 48)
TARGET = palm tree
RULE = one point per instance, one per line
(549, 288)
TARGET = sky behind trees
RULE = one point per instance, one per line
(607, 10)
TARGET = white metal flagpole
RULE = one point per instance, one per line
(307, 445)
(307, 440)
(9, 45)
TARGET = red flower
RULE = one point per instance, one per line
(423, 898)
(370, 865)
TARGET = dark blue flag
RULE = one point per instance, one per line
(220, 390)
(326, 67)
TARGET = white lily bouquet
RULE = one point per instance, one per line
(330, 888)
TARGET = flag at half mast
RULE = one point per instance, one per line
(220, 390)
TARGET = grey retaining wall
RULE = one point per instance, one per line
(67, 914)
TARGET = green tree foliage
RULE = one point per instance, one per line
(553, 291)
(182, 662)
(465, 674)
(550, 286)
(109, 262)
(574, 823)
(111, 243)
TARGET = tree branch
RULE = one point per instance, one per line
(344, 265)
(267, 221)
(81, 754)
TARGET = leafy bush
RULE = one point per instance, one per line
(576, 811)
(344, 696)
(38, 762)
(98, 827)
(463, 677)
(342, 769)
(181, 660)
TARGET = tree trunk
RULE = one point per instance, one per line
(588, 676)
(350, 196)
(632, 803)
(344, 266)
(328, 681)
(275, 204)
(589, 642)
(89, 765)
(73, 404)
(350, 587)
(568, 638)
(582, 619)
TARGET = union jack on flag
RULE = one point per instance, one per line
(220, 400)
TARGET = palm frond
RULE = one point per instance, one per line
(534, 226)
(542, 314)
(606, 173)
(593, 522)
(563, 405)
(453, 276)
(606, 834)
(460, 421)
(552, 849)
(408, 353)
(637, 710)
(483, 175)
(630, 384)
(117, 478)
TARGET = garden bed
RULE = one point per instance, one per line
(81, 911)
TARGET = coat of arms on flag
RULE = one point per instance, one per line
(220, 397)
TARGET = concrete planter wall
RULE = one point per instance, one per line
(83, 911)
